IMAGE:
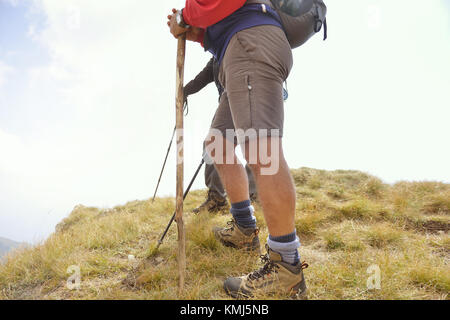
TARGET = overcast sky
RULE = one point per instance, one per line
(87, 92)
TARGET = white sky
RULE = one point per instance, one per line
(89, 120)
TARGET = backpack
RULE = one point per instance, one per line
(301, 19)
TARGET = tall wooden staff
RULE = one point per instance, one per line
(179, 194)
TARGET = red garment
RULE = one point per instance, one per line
(205, 13)
(201, 37)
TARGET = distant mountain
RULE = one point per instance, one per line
(7, 245)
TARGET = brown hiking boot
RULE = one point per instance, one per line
(214, 202)
(236, 237)
(275, 276)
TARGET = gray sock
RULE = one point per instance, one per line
(287, 246)
(243, 214)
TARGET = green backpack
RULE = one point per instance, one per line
(301, 19)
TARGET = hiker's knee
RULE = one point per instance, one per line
(263, 155)
(219, 149)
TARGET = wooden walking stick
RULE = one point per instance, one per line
(180, 162)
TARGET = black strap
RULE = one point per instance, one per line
(318, 23)
(186, 107)
(268, 2)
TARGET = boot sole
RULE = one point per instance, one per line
(237, 295)
(246, 248)
(241, 295)
(214, 210)
(253, 247)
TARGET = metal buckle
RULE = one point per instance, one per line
(317, 25)
(263, 7)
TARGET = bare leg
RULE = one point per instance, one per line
(232, 173)
(277, 196)
(276, 191)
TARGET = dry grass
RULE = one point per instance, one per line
(347, 222)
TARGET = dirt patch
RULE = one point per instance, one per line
(23, 292)
(139, 274)
(430, 226)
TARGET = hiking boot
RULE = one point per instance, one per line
(214, 202)
(237, 237)
(276, 276)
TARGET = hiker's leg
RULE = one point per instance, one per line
(222, 152)
(231, 171)
(221, 148)
(241, 232)
(256, 63)
(214, 182)
(212, 178)
(259, 111)
(276, 187)
(216, 199)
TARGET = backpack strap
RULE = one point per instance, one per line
(320, 20)
(267, 2)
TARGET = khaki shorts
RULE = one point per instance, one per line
(256, 63)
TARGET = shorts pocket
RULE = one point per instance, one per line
(240, 97)
(249, 93)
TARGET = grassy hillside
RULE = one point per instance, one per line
(348, 222)
(7, 245)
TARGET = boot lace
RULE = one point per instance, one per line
(268, 268)
(231, 224)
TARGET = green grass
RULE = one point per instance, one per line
(347, 221)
